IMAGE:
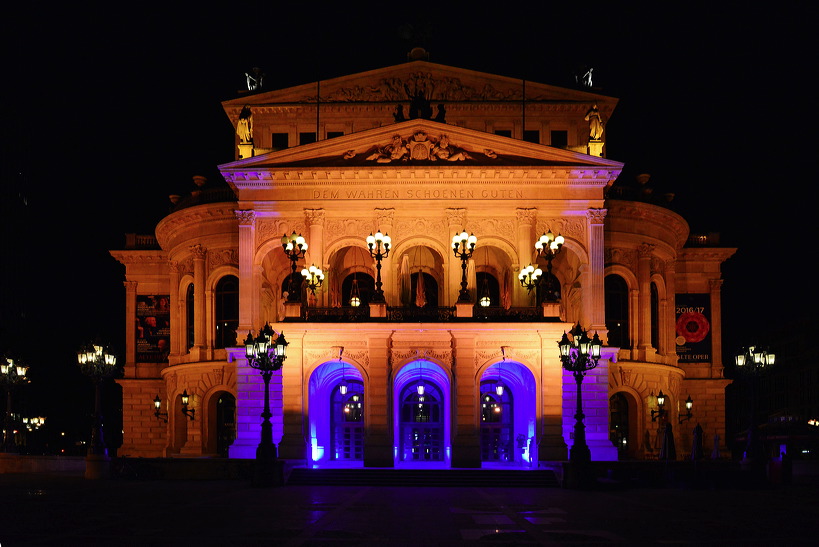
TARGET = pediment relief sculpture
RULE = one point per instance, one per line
(418, 147)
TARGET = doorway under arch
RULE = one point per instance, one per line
(334, 437)
(623, 425)
(421, 415)
(508, 421)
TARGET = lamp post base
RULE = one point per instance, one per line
(268, 472)
(97, 466)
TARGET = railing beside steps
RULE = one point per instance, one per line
(412, 314)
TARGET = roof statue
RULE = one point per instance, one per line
(595, 123)
(255, 79)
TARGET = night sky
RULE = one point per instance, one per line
(106, 112)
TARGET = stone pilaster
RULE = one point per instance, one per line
(466, 428)
(379, 434)
(130, 331)
(525, 240)
(594, 294)
(200, 312)
(456, 223)
(248, 291)
(644, 252)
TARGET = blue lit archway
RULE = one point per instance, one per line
(326, 429)
(422, 418)
(510, 439)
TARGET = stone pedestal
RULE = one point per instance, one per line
(97, 466)
(551, 309)
(245, 150)
(292, 309)
(596, 148)
(464, 309)
(378, 309)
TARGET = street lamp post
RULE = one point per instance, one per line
(314, 277)
(98, 363)
(579, 354)
(266, 355)
(548, 247)
(11, 375)
(294, 248)
(751, 362)
(463, 245)
(379, 245)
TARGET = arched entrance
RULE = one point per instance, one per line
(347, 422)
(224, 421)
(623, 425)
(508, 406)
(497, 443)
(336, 414)
(421, 425)
(421, 413)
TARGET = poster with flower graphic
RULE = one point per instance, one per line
(693, 328)
(153, 332)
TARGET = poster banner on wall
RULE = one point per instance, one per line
(153, 328)
(693, 327)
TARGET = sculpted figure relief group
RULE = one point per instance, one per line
(418, 147)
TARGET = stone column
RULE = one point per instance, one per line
(384, 220)
(130, 331)
(379, 428)
(671, 304)
(715, 286)
(248, 292)
(315, 251)
(287, 392)
(551, 445)
(644, 306)
(526, 219)
(200, 313)
(466, 428)
(594, 293)
(177, 309)
(456, 223)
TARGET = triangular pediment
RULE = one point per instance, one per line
(437, 83)
(421, 143)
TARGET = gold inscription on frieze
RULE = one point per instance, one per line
(420, 193)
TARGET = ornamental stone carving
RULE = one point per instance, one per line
(223, 257)
(198, 251)
(273, 229)
(455, 216)
(384, 216)
(573, 227)
(315, 216)
(596, 216)
(526, 216)
(246, 217)
(443, 355)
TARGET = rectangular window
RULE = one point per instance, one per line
(334, 134)
(307, 138)
(560, 139)
(532, 135)
(504, 132)
(279, 141)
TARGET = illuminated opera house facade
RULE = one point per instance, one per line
(419, 152)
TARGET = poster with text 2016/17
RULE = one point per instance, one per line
(693, 327)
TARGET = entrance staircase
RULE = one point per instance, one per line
(537, 478)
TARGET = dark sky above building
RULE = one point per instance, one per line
(108, 111)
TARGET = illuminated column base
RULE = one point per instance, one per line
(464, 309)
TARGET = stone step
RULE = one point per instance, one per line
(540, 478)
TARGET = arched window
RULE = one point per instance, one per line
(425, 295)
(297, 283)
(227, 311)
(348, 422)
(489, 287)
(497, 440)
(360, 283)
(655, 317)
(190, 315)
(617, 311)
(422, 427)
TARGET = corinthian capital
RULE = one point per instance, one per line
(455, 217)
(246, 217)
(315, 216)
(198, 251)
(596, 216)
(526, 216)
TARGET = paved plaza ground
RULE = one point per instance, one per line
(72, 511)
